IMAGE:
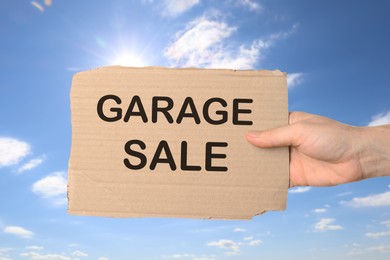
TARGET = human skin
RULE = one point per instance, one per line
(325, 152)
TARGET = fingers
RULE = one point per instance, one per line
(281, 136)
(277, 137)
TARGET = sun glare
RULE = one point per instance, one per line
(129, 60)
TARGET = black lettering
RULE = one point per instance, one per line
(116, 110)
(210, 155)
(184, 162)
(163, 145)
(223, 113)
(136, 100)
(164, 110)
(237, 111)
(194, 113)
(139, 155)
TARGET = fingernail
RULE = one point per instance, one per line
(253, 134)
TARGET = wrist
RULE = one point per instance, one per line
(374, 151)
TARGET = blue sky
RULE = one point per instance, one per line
(335, 52)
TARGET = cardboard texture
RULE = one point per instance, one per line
(171, 143)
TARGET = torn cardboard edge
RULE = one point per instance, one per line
(100, 182)
(157, 215)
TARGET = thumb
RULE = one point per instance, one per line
(277, 137)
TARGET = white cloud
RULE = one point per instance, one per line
(38, 256)
(252, 5)
(248, 238)
(244, 58)
(31, 164)
(53, 186)
(378, 234)
(294, 79)
(354, 250)
(386, 223)
(299, 190)
(5, 250)
(175, 8)
(196, 45)
(342, 194)
(380, 248)
(358, 250)
(18, 231)
(380, 119)
(202, 44)
(320, 210)
(227, 244)
(239, 230)
(4, 253)
(377, 200)
(103, 258)
(283, 35)
(255, 243)
(178, 256)
(325, 224)
(79, 253)
(12, 151)
(34, 247)
(192, 256)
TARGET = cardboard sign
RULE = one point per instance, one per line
(171, 143)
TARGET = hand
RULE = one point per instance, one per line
(323, 152)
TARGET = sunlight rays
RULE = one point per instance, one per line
(128, 59)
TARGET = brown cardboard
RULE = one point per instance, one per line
(100, 184)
